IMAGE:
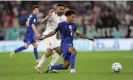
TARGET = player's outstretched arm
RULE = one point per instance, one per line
(83, 36)
(44, 20)
(48, 35)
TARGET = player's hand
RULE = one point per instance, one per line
(50, 12)
(38, 35)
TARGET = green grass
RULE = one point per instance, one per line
(89, 66)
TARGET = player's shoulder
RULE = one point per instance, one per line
(33, 15)
(74, 24)
(62, 23)
(63, 16)
(53, 13)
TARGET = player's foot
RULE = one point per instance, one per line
(37, 61)
(72, 71)
(38, 69)
(48, 69)
(11, 54)
(54, 71)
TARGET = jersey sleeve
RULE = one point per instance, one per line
(76, 30)
(58, 27)
(34, 21)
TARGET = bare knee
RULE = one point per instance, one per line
(72, 51)
(34, 44)
(26, 46)
(59, 53)
(49, 52)
(66, 66)
(57, 49)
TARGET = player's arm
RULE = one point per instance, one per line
(51, 33)
(48, 35)
(44, 20)
(35, 29)
(83, 36)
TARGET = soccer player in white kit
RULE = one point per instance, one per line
(52, 19)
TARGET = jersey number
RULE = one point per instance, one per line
(28, 20)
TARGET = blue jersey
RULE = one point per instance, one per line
(32, 19)
(67, 32)
(30, 34)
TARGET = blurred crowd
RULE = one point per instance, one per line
(104, 19)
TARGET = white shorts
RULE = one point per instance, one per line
(50, 42)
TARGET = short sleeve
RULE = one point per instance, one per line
(58, 27)
(34, 21)
(76, 30)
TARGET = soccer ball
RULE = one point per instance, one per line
(116, 67)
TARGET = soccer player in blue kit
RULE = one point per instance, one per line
(31, 34)
(67, 30)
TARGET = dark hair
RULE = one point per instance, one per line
(69, 12)
(60, 4)
(35, 6)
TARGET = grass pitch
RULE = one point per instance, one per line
(89, 66)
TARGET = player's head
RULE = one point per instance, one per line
(60, 8)
(70, 14)
(35, 9)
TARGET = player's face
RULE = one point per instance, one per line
(60, 10)
(71, 18)
(36, 11)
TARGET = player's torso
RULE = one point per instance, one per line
(54, 21)
(67, 32)
(32, 18)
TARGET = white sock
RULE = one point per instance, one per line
(43, 59)
(55, 58)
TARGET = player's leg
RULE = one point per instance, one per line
(56, 56)
(44, 59)
(49, 50)
(72, 51)
(63, 66)
(26, 45)
(66, 57)
(35, 51)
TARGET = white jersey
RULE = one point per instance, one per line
(52, 24)
(54, 20)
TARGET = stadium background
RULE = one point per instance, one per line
(110, 21)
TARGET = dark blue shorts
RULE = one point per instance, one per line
(29, 39)
(64, 48)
